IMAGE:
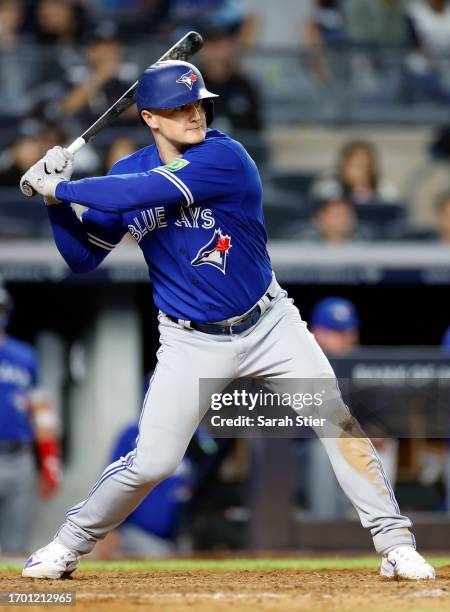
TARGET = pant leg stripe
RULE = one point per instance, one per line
(386, 481)
(145, 403)
(110, 473)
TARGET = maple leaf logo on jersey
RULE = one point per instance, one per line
(214, 252)
(188, 78)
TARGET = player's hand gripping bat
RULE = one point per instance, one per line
(184, 49)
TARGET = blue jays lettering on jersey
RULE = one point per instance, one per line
(198, 222)
(18, 376)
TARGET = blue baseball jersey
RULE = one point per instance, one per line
(18, 377)
(198, 221)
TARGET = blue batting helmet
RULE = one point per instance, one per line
(173, 83)
(335, 313)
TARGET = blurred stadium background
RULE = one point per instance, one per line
(344, 104)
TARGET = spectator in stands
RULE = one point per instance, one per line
(429, 23)
(335, 221)
(239, 105)
(324, 27)
(378, 22)
(328, 18)
(443, 217)
(17, 63)
(119, 147)
(17, 159)
(104, 79)
(184, 15)
(133, 18)
(334, 322)
(276, 27)
(358, 176)
(58, 30)
(59, 22)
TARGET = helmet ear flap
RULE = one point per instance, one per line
(208, 105)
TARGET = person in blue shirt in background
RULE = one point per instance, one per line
(27, 424)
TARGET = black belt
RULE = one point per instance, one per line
(10, 447)
(250, 319)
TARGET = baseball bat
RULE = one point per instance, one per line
(183, 50)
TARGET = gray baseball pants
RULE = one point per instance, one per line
(17, 495)
(280, 347)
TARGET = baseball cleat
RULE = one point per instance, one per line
(52, 561)
(405, 563)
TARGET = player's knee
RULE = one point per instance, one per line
(157, 468)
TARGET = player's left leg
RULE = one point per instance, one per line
(285, 351)
(171, 412)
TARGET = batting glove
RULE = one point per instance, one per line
(59, 161)
(44, 176)
(42, 181)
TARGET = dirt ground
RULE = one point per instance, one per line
(217, 591)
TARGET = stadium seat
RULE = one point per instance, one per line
(299, 182)
(381, 215)
(21, 217)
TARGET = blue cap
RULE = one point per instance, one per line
(446, 340)
(334, 313)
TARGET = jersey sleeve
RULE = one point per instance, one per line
(104, 231)
(205, 173)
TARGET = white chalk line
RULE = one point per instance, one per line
(178, 595)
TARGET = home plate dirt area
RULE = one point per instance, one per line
(318, 584)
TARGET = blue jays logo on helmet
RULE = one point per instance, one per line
(214, 252)
(188, 78)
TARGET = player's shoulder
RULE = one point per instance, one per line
(131, 163)
(220, 147)
(19, 350)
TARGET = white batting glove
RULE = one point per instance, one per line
(41, 180)
(59, 161)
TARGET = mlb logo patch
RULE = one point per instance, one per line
(188, 79)
(215, 252)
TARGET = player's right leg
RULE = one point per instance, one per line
(169, 418)
(288, 354)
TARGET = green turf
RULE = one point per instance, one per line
(318, 563)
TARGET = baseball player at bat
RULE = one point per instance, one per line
(193, 203)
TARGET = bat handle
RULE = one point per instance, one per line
(75, 146)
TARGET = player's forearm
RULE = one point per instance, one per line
(71, 240)
(120, 193)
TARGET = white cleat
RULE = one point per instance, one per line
(405, 563)
(53, 561)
